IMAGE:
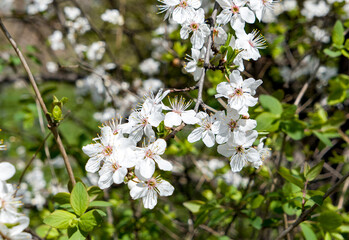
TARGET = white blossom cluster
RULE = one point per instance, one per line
(12, 222)
(233, 129)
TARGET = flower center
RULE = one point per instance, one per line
(239, 149)
(149, 154)
(183, 4)
(108, 150)
(232, 124)
(235, 9)
(238, 92)
(144, 121)
(194, 26)
(151, 183)
(251, 43)
(116, 166)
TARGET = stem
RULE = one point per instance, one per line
(207, 57)
(52, 126)
(306, 213)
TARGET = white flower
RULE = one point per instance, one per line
(149, 189)
(112, 16)
(149, 66)
(115, 168)
(239, 149)
(56, 40)
(81, 25)
(100, 151)
(238, 61)
(231, 123)
(181, 10)
(196, 63)
(143, 120)
(148, 156)
(152, 84)
(178, 113)
(7, 170)
(51, 67)
(196, 24)
(8, 203)
(219, 36)
(72, 12)
(260, 6)
(235, 12)
(250, 43)
(239, 92)
(208, 128)
(314, 8)
(156, 100)
(96, 51)
(16, 232)
(264, 152)
(38, 6)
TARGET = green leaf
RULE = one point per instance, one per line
(314, 171)
(337, 91)
(330, 220)
(271, 104)
(293, 128)
(100, 204)
(194, 205)
(331, 53)
(256, 203)
(306, 169)
(79, 199)
(62, 198)
(308, 232)
(89, 221)
(47, 232)
(323, 138)
(346, 45)
(285, 173)
(76, 234)
(338, 33)
(318, 199)
(345, 53)
(267, 121)
(94, 192)
(57, 113)
(257, 223)
(59, 219)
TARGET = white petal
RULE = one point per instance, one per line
(163, 164)
(224, 3)
(189, 117)
(92, 149)
(119, 175)
(237, 162)
(106, 136)
(252, 155)
(172, 119)
(195, 135)
(208, 138)
(247, 15)
(150, 200)
(147, 168)
(165, 188)
(159, 146)
(7, 170)
(138, 191)
(194, 3)
(226, 150)
(93, 164)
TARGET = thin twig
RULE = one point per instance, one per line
(306, 213)
(52, 126)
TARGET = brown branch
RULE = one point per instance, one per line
(306, 213)
(51, 125)
(187, 89)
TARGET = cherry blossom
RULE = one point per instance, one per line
(148, 156)
(196, 63)
(179, 113)
(239, 92)
(181, 10)
(196, 24)
(239, 149)
(207, 130)
(250, 43)
(260, 6)
(149, 188)
(235, 12)
(16, 232)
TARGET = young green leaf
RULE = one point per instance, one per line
(89, 221)
(100, 204)
(285, 173)
(62, 198)
(59, 219)
(330, 220)
(79, 199)
(75, 233)
(271, 104)
(338, 33)
(308, 232)
(194, 205)
(314, 171)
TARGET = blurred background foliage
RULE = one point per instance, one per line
(303, 111)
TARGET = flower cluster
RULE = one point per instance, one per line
(12, 223)
(233, 129)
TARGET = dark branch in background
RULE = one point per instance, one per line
(306, 213)
(51, 125)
